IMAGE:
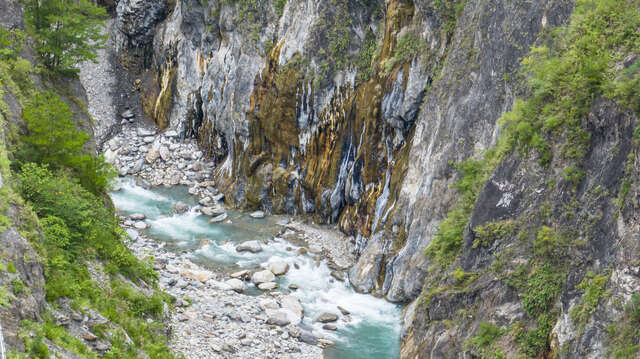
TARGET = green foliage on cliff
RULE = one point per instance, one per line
(586, 62)
(485, 337)
(447, 242)
(623, 336)
(65, 32)
(53, 139)
(593, 286)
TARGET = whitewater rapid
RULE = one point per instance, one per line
(374, 324)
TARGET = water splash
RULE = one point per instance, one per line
(374, 325)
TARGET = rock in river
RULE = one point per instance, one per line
(250, 246)
(218, 219)
(327, 318)
(263, 277)
(279, 268)
(213, 211)
(268, 286)
(236, 284)
(180, 207)
(257, 214)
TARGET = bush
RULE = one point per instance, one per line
(594, 289)
(53, 139)
(78, 224)
(486, 335)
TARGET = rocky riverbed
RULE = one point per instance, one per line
(253, 285)
(211, 319)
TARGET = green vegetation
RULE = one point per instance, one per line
(407, 48)
(566, 79)
(593, 286)
(52, 139)
(485, 337)
(279, 5)
(447, 241)
(57, 190)
(450, 11)
(65, 32)
(366, 60)
(76, 222)
(488, 233)
(623, 336)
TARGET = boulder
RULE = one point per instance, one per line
(343, 311)
(337, 275)
(267, 304)
(213, 211)
(127, 114)
(293, 304)
(307, 337)
(329, 327)
(279, 268)
(327, 318)
(236, 284)
(201, 276)
(164, 153)
(137, 217)
(218, 219)
(278, 317)
(268, 286)
(180, 208)
(152, 155)
(250, 246)
(241, 274)
(140, 225)
(256, 214)
(264, 276)
(143, 132)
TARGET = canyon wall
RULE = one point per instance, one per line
(356, 112)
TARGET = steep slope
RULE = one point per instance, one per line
(311, 108)
(357, 112)
(69, 287)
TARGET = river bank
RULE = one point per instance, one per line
(287, 297)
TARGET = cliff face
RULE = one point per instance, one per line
(355, 113)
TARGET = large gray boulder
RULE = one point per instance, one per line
(263, 277)
(250, 246)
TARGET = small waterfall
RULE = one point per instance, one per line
(3, 354)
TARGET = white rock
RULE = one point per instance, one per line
(236, 284)
(140, 225)
(137, 217)
(250, 246)
(293, 304)
(213, 211)
(218, 219)
(268, 304)
(171, 133)
(143, 132)
(279, 268)
(268, 286)
(278, 317)
(164, 153)
(263, 277)
(257, 214)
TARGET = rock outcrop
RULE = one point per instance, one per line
(356, 113)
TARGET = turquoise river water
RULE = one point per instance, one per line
(374, 330)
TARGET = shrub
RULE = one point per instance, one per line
(486, 335)
(594, 289)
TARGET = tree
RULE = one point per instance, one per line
(66, 32)
(51, 134)
(53, 139)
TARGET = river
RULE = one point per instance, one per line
(374, 329)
